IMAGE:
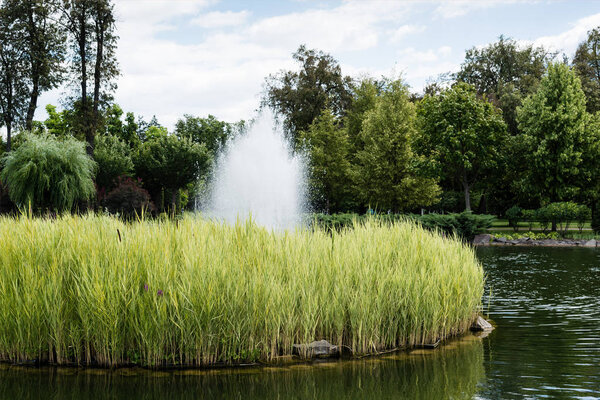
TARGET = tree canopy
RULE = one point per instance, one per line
(298, 97)
(462, 133)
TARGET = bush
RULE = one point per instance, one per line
(530, 216)
(114, 160)
(465, 225)
(513, 215)
(596, 219)
(582, 215)
(562, 214)
(47, 172)
(128, 199)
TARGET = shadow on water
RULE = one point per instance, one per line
(450, 372)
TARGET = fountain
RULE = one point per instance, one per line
(258, 177)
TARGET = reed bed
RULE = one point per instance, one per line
(94, 290)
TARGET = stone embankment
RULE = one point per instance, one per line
(491, 240)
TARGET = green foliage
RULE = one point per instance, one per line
(596, 219)
(529, 216)
(128, 199)
(514, 215)
(553, 140)
(168, 162)
(562, 214)
(587, 65)
(506, 72)
(114, 160)
(463, 134)
(530, 235)
(388, 175)
(211, 132)
(298, 97)
(95, 290)
(326, 145)
(465, 225)
(47, 172)
(582, 215)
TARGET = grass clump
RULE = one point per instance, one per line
(95, 290)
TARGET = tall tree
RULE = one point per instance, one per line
(42, 39)
(388, 176)
(553, 124)
(587, 66)
(300, 96)
(326, 145)
(506, 72)
(90, 24)
(13, 72)
(462, 133)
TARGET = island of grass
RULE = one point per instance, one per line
(93, 290)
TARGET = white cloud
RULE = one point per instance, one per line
(458, 8)
(396, 35)
(219, 19)
(568, 41)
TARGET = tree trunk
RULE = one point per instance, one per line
(467, 196)
(98, 68)
(89, 133)
(35, 70)
(8, 136)
(32, 103)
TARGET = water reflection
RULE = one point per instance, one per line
(452, 372)
(546, 302)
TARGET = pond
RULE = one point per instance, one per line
(545, 302)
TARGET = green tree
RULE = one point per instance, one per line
(506, 72)
(113, 157)
(209, 131)
(298, 97)
(13, 73)
(57, 123)
(91, 24)
(462, 133)
(387, 175)
(364, 97)
(166, 162)
(47, 172)
(326, 145)
(587, 66)
(42, 41)
(553, 141)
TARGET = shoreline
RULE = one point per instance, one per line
(492, 240)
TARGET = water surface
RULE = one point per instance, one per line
(545, 302)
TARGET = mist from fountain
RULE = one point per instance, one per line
(257, 176)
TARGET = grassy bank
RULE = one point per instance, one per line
(94, 290)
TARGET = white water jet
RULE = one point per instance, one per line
(257, 176)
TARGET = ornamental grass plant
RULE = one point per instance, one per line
(94, 290)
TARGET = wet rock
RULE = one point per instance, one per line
(481, 324)
(501, 240)
(589, 243)
(321, 348)
(482, 240)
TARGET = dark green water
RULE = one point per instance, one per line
(545, 302)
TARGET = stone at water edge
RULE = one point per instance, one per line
(481, 324)
(590, 243)
(482, 240)
(321, 348)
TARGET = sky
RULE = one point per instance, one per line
(203, 57)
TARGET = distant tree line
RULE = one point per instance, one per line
(513, 127)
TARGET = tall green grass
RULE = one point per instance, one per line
(94, 290)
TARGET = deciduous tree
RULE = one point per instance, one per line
(462, 133)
